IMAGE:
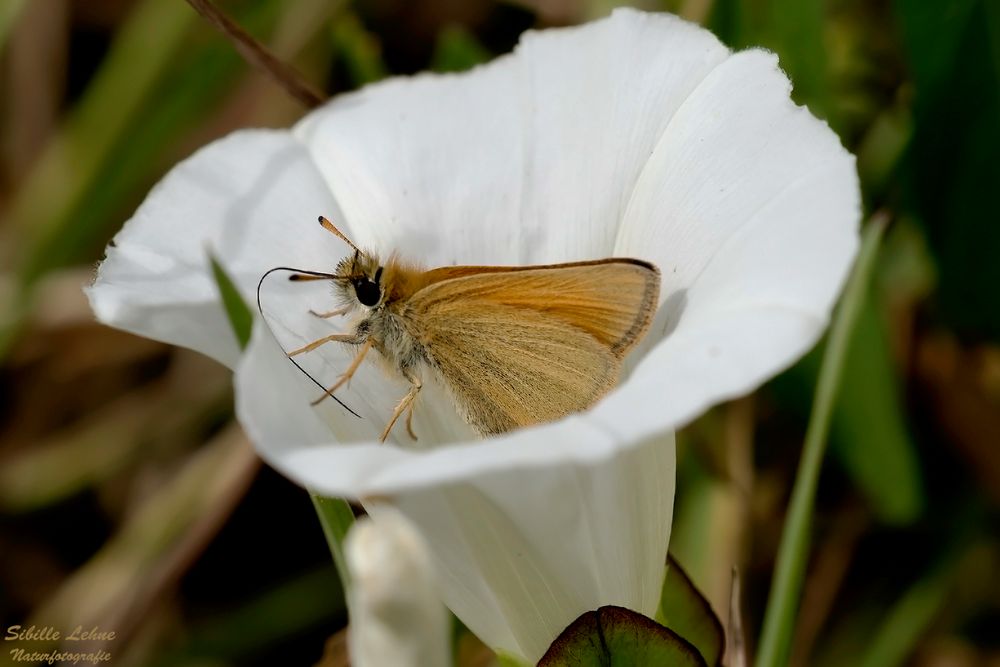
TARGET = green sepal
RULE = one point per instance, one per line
(239, 314)
(685, 611)
(336, 517)
(617, 637)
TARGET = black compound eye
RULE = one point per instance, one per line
(368, 292)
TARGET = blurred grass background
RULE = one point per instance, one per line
(129, 500)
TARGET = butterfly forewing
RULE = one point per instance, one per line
(524, 345)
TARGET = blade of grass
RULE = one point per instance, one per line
(145, 47)
(206, 70)
(69, 166)
(207, 73)
(204, 73)
(786, 586)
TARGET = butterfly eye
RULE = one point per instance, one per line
(368, 292)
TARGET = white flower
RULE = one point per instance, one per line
(397, 617)
(638, 135)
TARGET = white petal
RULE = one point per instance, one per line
(697, 368)
(750, 207)
(597, 100)
(428, 166)
(252, 199)
(523, 553)
(725, 171)
(271, 399)
(529, 159)
(397, 617)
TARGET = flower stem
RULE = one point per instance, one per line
(779, 619)
(336, 517)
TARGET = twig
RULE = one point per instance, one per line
(259, 56)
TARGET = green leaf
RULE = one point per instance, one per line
(113, 144)
(793, 553)
(240, 316)
(684, 610)
(457, 50)
(336, 517)
(618, 637)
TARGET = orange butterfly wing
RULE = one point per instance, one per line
(524, 345)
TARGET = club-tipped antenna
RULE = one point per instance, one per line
(305, 275)
(328, 226)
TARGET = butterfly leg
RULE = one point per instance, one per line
(407, 402)
(333, 338)
(409, 423)
(332, 313)
(347, 374)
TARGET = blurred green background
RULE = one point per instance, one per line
(129, 500)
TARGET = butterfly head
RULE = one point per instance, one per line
(359, 280)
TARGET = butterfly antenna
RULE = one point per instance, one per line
(328, 226)
(300, 274)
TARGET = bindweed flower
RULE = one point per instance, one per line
(635, 136)
(397, 617)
